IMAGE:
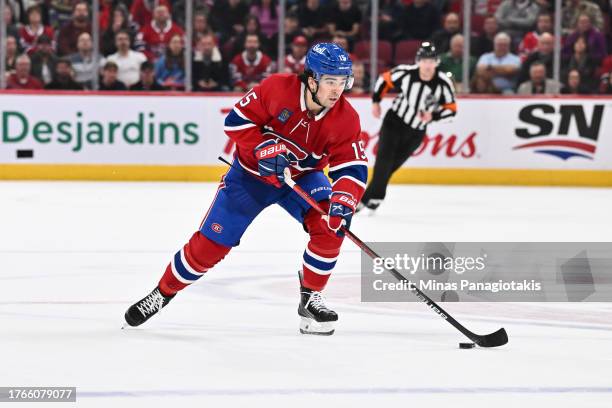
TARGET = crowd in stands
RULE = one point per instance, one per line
(235, 42)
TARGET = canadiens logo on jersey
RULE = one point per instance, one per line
(277, 110)
(285, 115)
(298, 156)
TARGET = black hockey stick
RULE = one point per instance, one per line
(496, 339)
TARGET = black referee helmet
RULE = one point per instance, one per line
(427, 50)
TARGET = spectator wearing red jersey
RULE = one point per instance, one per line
(154, 36)
(295, 61)
(251, 66)
(69, 34)
(142, 11)
(29, 33)
(530, 41)
(22, 79)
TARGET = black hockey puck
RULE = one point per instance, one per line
(467, 345)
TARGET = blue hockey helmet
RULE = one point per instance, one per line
(329, 59)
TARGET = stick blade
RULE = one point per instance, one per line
(499, 338)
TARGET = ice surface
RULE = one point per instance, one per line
(74, 256)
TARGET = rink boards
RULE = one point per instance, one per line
(122, 136)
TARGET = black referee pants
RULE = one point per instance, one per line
(396, 143)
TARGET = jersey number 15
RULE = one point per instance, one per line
(359, 149)
(247, 98)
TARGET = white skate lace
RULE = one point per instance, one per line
(316, 300)
(151, 304)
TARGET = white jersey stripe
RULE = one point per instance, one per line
(347, 164)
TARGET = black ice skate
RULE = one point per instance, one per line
(316, 318)
(372, 204)
(144, 309)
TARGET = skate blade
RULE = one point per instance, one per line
(311, 326)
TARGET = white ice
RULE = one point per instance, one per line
(74, 256)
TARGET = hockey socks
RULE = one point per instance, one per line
(321, 253)
(190, 263)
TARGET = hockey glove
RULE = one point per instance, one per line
(271, 161)
(341, 210)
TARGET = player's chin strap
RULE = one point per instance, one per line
(313, 94)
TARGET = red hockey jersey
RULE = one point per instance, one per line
(245, 72)
(153, 40)
(293, 65)
(28, 37)
(276, 109)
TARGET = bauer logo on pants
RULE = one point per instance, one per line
(218, 228)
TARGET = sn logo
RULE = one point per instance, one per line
(542, 116)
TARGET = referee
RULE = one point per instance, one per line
(425, 94)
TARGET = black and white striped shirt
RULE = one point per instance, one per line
(416, 95)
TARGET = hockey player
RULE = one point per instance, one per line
(426, 94)
(301, 122)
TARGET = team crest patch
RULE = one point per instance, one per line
(217, 228)
(284, 115)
